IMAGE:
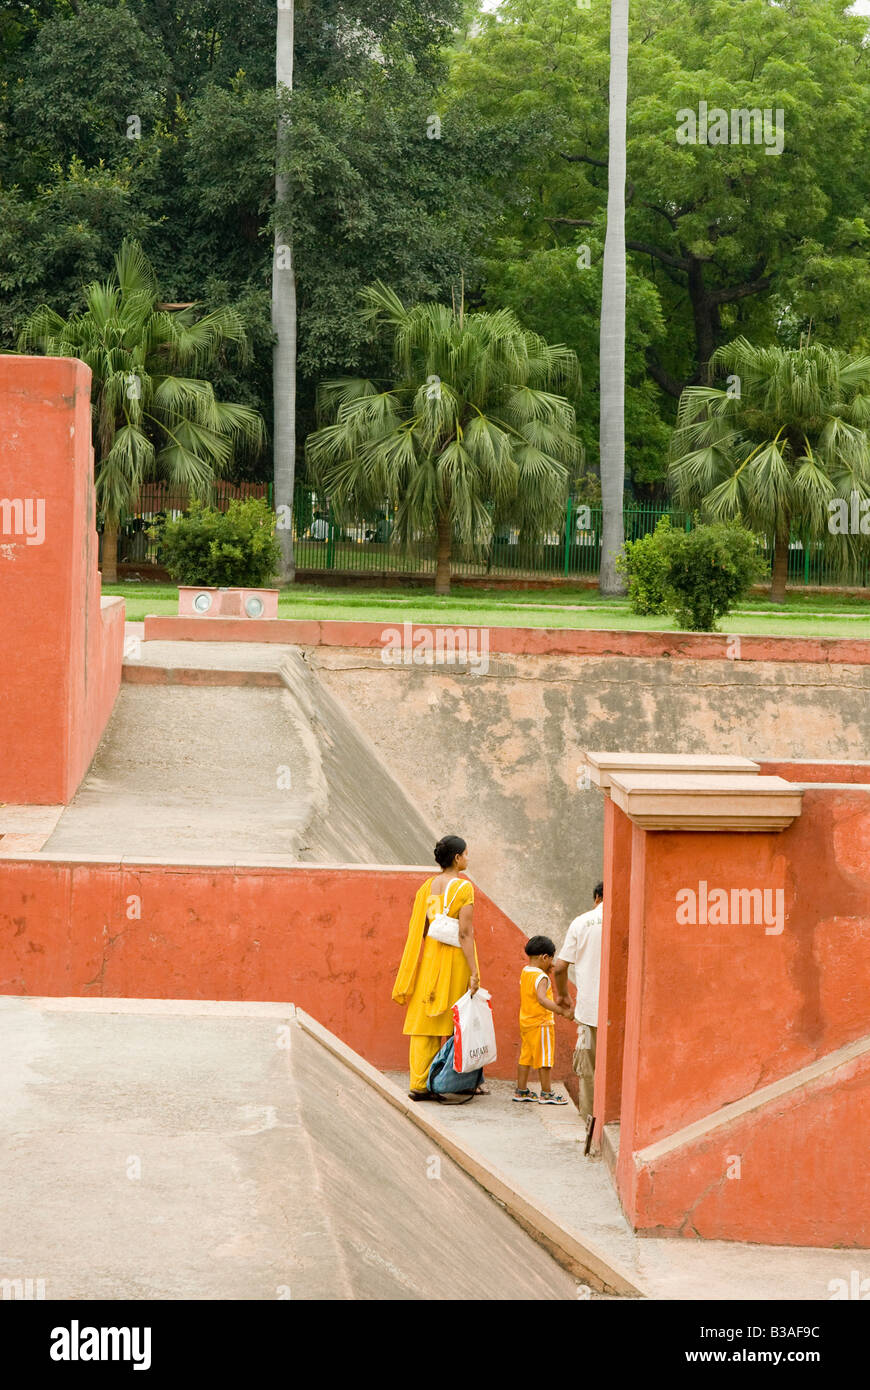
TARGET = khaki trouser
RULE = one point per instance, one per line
(584, 1066)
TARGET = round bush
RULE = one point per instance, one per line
(236, 548)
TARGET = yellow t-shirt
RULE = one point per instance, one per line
(532, 1012)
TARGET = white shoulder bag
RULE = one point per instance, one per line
(442, 927)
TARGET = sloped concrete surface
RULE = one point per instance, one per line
(241, 771)
(541, 1149)
(169, 1150)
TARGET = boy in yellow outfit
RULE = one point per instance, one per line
(537, 1025)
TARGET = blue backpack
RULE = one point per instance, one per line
(446, 1084)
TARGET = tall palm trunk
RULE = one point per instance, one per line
(780, 569)
(109, 561)
(442, 566)
(284, 314)
(612, 354)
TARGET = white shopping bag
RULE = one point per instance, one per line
(473, 1032)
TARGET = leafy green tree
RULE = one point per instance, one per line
(556, 294)
(473, 419)
(148, 419)
(94, 85)
(781, 440)
(734, 239)
(370, 195)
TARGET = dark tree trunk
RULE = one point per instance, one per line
(442, 567)
(109, 562)
(705, 315)
(780, 570)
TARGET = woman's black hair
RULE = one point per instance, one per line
(447, 849)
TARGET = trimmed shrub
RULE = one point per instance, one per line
(645, 565)
(235, 548)
(710, 569)
(698, 575)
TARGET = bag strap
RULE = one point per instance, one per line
(447, 890)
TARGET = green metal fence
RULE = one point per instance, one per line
(156, 502)
(368, 546)
(571, 551)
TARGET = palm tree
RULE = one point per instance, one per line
(612, 354)
(284, 309)
(148, 420)
(471, 434)
(785, 437)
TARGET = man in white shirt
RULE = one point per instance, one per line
(582, 949)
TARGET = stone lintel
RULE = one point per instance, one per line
(602, 765)
(706, 801)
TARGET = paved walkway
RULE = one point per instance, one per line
(540, 1148)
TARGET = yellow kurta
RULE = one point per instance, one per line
(432, 979)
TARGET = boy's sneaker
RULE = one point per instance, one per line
(551, 1098)
(523, 1095)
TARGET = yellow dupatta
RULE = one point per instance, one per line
(407, 976)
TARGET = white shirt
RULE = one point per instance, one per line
(582, 949)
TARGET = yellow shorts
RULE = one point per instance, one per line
(538, 1047)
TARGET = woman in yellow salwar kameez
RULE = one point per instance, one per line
(432, 979)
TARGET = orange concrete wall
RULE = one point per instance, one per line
(817, 770)
(714, 1013)
(801, 1175)
(62, 649)
(526, 641)
(327, 939)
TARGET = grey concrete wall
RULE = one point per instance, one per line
(495, 757)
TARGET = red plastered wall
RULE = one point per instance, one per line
(716, 1012)
(61, 649)
(327, 939)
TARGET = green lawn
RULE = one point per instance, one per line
(805, 614)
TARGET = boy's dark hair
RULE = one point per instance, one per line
(540, 946)
(598, 891)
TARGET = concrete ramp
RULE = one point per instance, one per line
(270, 766)
(163, 1149)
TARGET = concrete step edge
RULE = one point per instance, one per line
(579, 1258)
